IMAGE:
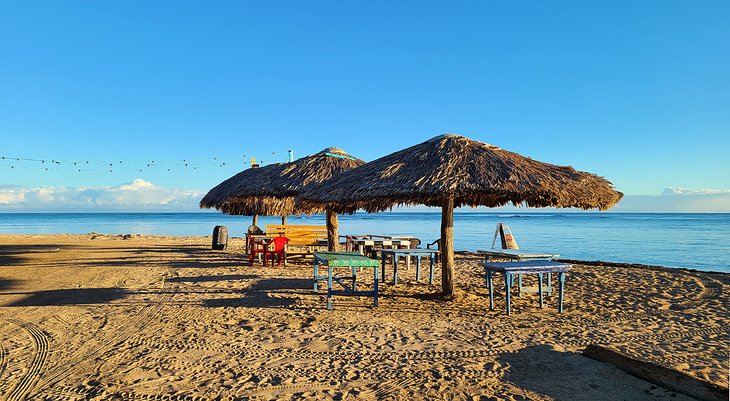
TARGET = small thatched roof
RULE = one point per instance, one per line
(473, 172)
(270, 190)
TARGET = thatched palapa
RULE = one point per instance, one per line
(474, 173)
(451, 171)
(270, 190)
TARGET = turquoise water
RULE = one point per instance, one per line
(700, 241)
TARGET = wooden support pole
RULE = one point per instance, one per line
(447, 244)
(283, 220)
(333, 239)
(255, 220)
(666, 377)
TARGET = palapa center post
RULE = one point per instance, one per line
(447, 244)
(332, 234)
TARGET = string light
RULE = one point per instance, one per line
(140, 166)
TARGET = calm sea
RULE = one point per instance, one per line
(700, 241)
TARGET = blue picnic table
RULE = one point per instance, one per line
(417, 252)
(353, 260)
(509, 269)
(520, 256)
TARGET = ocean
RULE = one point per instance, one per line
(691, 240)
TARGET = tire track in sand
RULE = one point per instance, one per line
(40, 340)
(711, 289)
(3, 359)
(5, 328)
(3, 364)
(84, 360)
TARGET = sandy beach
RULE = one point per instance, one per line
(94, 317)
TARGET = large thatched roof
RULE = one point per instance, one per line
(270, 190)
(473, 172)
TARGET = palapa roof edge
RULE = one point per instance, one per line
(474, 173)
(270, 190)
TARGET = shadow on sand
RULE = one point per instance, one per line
(571, 376)
(79, 296)
(7, 283)
(267, 293)
(203, 279)
(14, 255)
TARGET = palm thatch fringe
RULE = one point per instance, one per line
(474, 173)
(270, 190)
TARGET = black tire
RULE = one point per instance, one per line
(220, 238)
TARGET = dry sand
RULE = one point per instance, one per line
(141, 317)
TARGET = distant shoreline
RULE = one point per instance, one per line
(663, 239)
(94, 235)
(434, 211)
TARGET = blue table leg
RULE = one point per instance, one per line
(539, 287)
(382, 263)
(491, 289)
(329, 287)
(486, 277)
(430, 277)
(395, 269)
(418, 268)
(549, 286)
(508, 281)
(375, 287)
(354, 279)
(519, 284)
(561, 278)
(316, 273)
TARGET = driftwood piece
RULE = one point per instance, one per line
(670, 378)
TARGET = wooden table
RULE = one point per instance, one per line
(417, 252)
(250, 238)
(361, 243)
(353, 260)
(520, 256)
(258, 244)
(517, 254)
(509, 269)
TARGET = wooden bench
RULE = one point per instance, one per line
(303, 240)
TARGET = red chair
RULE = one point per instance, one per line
(276, 247)
(257, 246)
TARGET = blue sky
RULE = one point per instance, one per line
(638, 92)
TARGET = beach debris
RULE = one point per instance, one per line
(663, 376)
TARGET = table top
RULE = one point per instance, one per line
(379, 240)
(410, 251)
(518, 254)
(349, 259)
(533, 266)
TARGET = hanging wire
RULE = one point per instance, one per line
(165, 165)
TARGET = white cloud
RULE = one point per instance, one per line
(136, 195)
(671, 200)
(11, 196)
(691, 191)
(141, 195)
(678, 200)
